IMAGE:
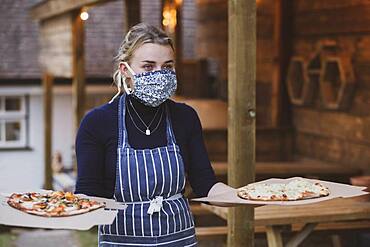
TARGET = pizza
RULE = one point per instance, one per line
(297, 189)
(52, 204)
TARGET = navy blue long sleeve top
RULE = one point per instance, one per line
(97, 140)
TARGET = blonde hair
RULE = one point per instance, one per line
(138, 35)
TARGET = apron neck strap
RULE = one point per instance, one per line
(171, 140)
(122, 133)
(122, 130)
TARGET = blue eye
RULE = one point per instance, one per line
(168, 66)
(148, 67)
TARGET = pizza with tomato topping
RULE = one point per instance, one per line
(297, 189)
(52, 204)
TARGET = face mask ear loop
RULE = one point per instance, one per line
(129, 68)
(132, 72)
(126, 88)
(119, 85)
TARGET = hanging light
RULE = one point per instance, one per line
(169, 14)
(84, 15)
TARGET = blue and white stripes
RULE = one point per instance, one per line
(142, 175)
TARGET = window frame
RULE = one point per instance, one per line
(20, 116)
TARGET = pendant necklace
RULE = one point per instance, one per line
(147, 131)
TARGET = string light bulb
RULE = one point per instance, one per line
(84, 15)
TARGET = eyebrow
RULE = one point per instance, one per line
(148, 61)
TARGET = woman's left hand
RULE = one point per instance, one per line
(220, 188)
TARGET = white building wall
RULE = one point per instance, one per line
(24, 169)
(63, 133)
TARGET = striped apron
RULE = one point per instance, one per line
(150, 181)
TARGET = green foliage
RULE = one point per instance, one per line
(87, 238)
(7, 239)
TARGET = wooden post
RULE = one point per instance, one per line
(241, 114)
(78, 71)
(177, 39)
(162, 4)
(282, 50)
(47, 85)
(132, 14)
(178, 45)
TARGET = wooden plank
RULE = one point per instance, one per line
(194, 80)
(334, 136)
(50, 8)
(210, 11)
(360, 103)
(47, 85)
(274, 144)
(305, 6)
(197, 209)
(212, 112)
(295, 168)
(340, 125)
(331, 227)
(274, 238)
(334, 211)
(297, 239)
(211, 231)
(265, 47)
(132, 13)
(327, 211)
(345, 20)
(241, 117)
(265, 26)
(282, 54)
(78, 63)
(179, 44)
(295, 227)
(333, 149)
(338, 226)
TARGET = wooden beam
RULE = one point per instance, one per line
(162, 4)
(274, 238)
(51, 8)
(241, 114)
(78, 65)
(47, 85)
(133, 14)
(179, 45)
(282, 54)
(299, 237)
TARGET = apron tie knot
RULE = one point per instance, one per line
(155, 205)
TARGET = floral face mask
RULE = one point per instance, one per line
(154, 87)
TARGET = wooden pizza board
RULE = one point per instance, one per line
(12, 217)
(336, 190)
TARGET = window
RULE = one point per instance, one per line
(13, 121)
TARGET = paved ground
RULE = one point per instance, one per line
(46, 238)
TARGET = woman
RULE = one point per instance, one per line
(141, 147)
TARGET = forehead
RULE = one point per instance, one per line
(153, 52)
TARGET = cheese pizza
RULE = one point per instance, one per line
(297, 189)
(52, 204)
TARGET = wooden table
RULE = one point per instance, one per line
(275, 218)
